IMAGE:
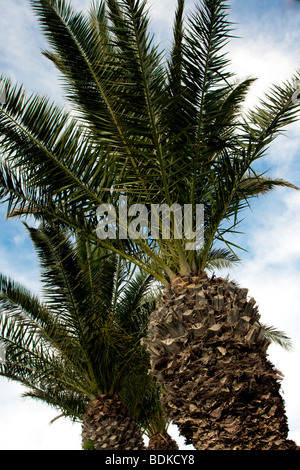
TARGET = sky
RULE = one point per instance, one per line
(266, 47)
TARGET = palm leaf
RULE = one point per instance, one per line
(158, 130)
(78, 341)
(278, 337)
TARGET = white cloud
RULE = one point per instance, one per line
(275, 234)
(21, 43)
(25, 424)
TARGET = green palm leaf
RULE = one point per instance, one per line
(156, 128)
(82, 337)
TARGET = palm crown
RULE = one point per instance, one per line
(82, 338)
(158, 128)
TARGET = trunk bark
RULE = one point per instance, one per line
(162, 442)
(107, 425)
(208, 350)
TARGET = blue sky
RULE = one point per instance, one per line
(267, 49)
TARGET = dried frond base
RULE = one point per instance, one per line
(208, 350)
(107, 425)
(162, 442)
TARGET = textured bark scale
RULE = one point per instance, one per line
(107, 425)
(162, 442)
(208, 350)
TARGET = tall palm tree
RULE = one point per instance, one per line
(160, 128)
(73, 350)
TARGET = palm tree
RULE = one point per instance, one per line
(155, 422)
(73, 350)
(168, 129)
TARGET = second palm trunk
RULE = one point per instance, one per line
(107, 425)
(208, 350)
(162, 441)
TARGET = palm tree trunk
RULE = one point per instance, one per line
(162, 442)
(208, 350)
(108, 425)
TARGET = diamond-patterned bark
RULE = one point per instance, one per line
(107, 425)
(162, 442)
(208, 350)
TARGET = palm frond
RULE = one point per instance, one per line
(82, 59)
(80, 340)
(220, 258)
(156, 128)
(208, 30)
(278, 337)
